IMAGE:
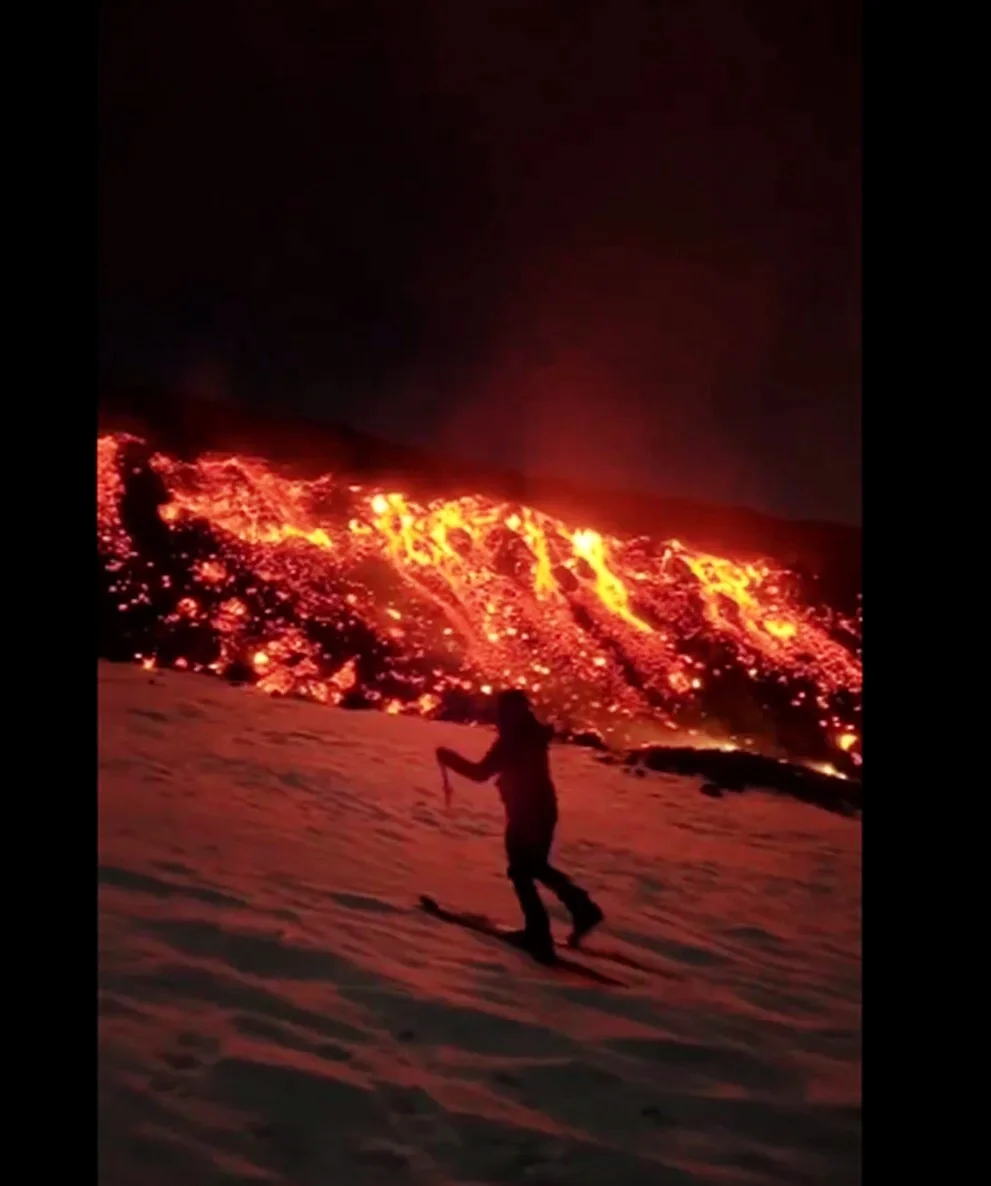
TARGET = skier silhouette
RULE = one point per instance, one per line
(519, 757)
(144, 494)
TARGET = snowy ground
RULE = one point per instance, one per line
(274, 1009)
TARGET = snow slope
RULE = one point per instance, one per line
(274, 1009)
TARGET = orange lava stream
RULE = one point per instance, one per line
(479, 594)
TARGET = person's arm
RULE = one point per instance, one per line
(477, 771)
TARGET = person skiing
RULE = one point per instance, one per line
(520, 760)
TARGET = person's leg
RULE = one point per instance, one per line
(523, 863)
(585, 914)
(573, 897)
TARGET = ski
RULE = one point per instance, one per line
(485, 926)
(624, 961)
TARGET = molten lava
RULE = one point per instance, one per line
(338, 592)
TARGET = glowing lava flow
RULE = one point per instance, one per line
(330, 590)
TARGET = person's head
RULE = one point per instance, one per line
(133, 455)
(513, 711)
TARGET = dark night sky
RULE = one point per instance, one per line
(615, 241)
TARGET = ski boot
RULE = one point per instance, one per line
(540, 947)
(584, 919)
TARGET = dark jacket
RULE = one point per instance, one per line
(521, 763)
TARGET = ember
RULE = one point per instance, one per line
(354, 595)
